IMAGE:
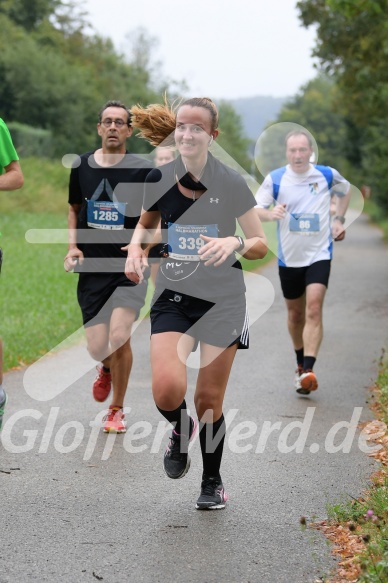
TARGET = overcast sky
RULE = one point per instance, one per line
(222, 48)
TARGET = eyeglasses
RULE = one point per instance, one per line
(119, 123)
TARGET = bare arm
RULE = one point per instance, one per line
(276, 213)
(338, 230)
(256, 241)
(13, 178)
(343, 203)
(74, 253)
(142, 237)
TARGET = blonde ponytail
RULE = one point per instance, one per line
(156, 123)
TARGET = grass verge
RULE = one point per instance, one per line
(38, 297)
(359, 528)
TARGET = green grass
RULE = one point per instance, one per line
(40, 308)
(39, 297)
(44, 190)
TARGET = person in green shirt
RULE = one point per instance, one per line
(11, 178)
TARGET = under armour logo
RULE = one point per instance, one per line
(214, 200)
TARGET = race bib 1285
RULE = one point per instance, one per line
(106, 214)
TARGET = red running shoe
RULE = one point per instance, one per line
(102, 385)
(308, 382)
(114, 421)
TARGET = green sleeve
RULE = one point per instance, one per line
(7, 150)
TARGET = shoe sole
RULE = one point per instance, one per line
(182, 474)
(215, 507)
(111, 430)
(308, 385)
(188, 457)
(209, 506)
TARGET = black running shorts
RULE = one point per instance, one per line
(221, 323)
(99, 294)
(294, 280)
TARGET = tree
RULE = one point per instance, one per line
(231, 137)
(29, 13)
(58, 81)
(56, 77)
(352, 47)
(315, 107)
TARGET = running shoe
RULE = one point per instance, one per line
(114, 421)
(213, 495)
(308, 382)
(177, 463)
(298, 372)
(102, 385)
(2, 406)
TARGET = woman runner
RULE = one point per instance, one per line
(200, 290)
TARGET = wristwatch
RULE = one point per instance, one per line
(242, 243)
(339, 218)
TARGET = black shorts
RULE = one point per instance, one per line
(221, 323)
(98, 295)
(294, 280)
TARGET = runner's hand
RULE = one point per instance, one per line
(278, 212)
(136, 263)
(216, 250)
(338, 231)
(73, 257)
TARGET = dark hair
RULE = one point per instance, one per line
(299, 133)
(113, 103)
(157, 122)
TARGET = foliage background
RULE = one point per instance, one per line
(56, 73)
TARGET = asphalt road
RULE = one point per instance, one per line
(79, 506)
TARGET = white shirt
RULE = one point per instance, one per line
(304, 235)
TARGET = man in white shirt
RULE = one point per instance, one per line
(298, 197)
